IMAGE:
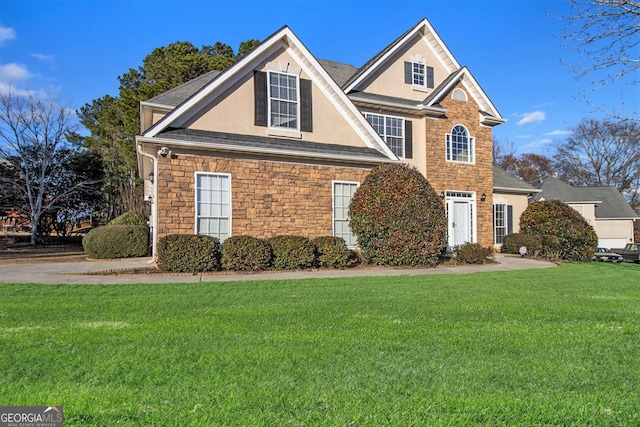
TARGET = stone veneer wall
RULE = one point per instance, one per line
(478, 177)
(268, 198)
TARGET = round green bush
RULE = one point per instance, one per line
(292, 252)
(188, 253)
(130, 218)
(577, 241)
(473, 253)
(398, 218)
(117, 241)
(538, 245)
(242, 253)
(331, 252)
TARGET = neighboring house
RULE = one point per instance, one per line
(510, 199)
(603, 207)
(279, 142)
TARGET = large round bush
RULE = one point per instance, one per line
(117, 241)
(245, 253)
(577, 240)
(398, 218)
(188, 253)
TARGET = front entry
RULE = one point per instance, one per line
(460, 217)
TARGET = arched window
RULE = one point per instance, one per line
(460, 146)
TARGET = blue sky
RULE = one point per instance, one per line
(512, 47)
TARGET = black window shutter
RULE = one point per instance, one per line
(306, 110)
(408, 73)
(509, 219)
(260, 98)
(408, 139)
(430, 80)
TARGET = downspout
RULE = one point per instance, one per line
(154, 203)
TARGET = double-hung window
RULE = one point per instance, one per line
(391, 129)
(500, 222)
(342, 194)
(418, 74)
(460, 146)
(284, 101)
(213, 205)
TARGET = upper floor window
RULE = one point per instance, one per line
(460, 146)
(283, 101)
(391, 129)
(418, 74)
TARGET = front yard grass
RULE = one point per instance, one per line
(552, 347)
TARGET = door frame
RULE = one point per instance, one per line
(468, 197)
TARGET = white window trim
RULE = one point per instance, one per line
(384, 137)
(418, 59)
(333, 207)
(472, 147)
(195, 199)
(281, 131)
(495, 226)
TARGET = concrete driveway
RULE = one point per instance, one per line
(102, 272)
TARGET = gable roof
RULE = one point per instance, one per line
(446, 58)
(177, 95)
(339, 71)
(610, 204)
(285, 39)
(504, 181)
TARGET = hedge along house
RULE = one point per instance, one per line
(279, 142)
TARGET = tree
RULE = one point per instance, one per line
(607, 34)
(34, 133)
(526, 166)
(113, 122)
(398, 218)
(603, 153)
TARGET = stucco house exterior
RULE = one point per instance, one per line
(603, 207)
(279, 142)
(511, 197)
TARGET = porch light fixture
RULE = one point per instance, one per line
(483, 197)
(151, 177)
(442, 195)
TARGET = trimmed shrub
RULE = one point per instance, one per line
(473, 253)
(117, 241)
(331, 252)
(130, 218)
(538, 245)
(398, 218)
(577, 239)
(188, 253)
(292, 252)
(244, 253)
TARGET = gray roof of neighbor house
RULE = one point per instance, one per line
(179, 94)
(610, 204)
(504, 181)
(271, 145)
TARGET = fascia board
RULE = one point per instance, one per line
(517, 190)
(230, 148)
(478, 94)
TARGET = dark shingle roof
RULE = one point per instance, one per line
(609, 202)
(179, 94)
(502, 180)
(338, 71)
(272, 145)
(374, 97)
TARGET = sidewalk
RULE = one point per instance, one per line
(85, 272)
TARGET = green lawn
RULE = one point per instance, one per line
(552, 347)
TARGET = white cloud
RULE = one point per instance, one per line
(13, 72)
(534, 117)
(538, 144)
(42, 57)
(558, 132)
(6, 33)
(6, 88)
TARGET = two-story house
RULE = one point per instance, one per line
(279, 142)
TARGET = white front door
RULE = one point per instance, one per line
(460, 217)
(460, 223)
